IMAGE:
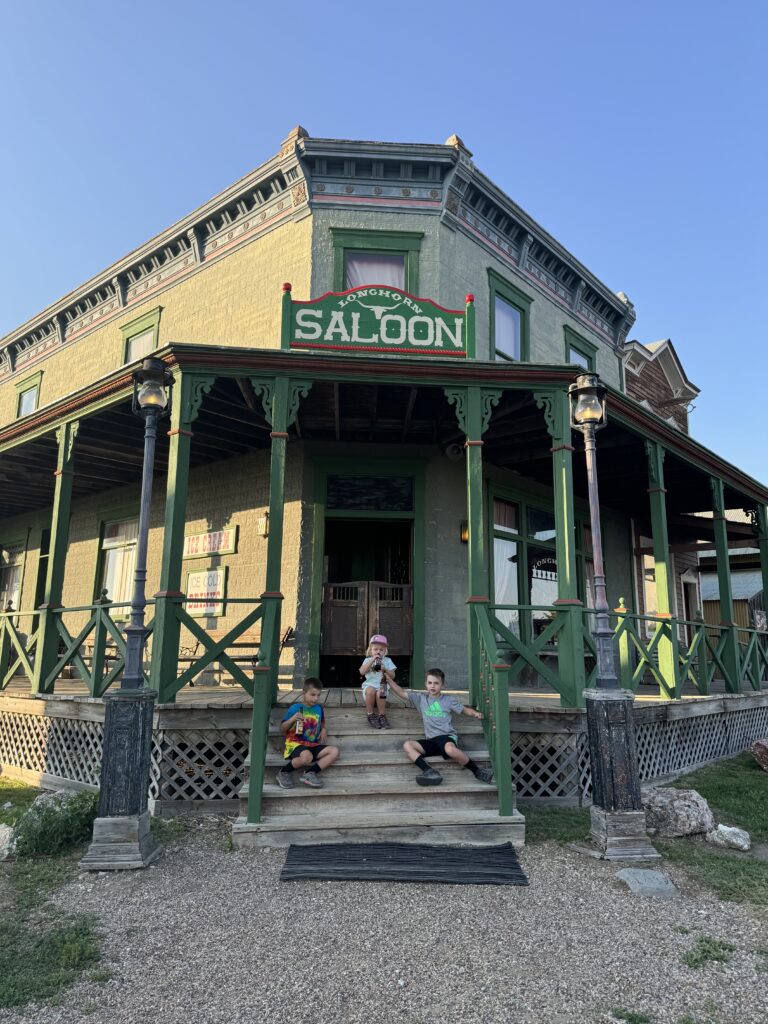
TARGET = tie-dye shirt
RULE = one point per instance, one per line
(313, 723)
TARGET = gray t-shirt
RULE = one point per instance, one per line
(436, 713)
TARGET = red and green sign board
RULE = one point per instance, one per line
(377, 318)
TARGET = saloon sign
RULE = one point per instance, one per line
(377, 318)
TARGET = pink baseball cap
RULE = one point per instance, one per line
(378, 638)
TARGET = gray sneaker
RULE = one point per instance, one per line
(485, 775)
(429, 777)
(284, 779)
(312, 779)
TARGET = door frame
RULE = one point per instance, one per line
(361, 465)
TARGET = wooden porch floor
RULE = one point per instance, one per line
(234, 697)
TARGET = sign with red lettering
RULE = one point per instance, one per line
(218, 542)
(206, 591)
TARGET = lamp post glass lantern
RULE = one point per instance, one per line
(121, 835)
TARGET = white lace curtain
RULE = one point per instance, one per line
(375, 268)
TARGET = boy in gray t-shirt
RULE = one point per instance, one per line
(439, 735)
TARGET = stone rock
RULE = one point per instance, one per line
(6, 842)
(760, 752)
(678, 812)
(734, 838)
(646, 882)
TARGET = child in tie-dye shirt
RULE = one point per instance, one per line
(303, 726)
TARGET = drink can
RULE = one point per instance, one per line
(300, 726)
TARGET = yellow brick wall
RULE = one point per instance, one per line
(235, 300)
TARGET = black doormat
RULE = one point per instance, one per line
(405, 862)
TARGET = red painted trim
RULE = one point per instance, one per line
(656, 490)
(477, 599)
(501, 666)
(272, 593)
(400, 291)
(324, 197)
(563, 448)
(379, 350)
(473, 444)
(287, 286)
(63, 472)
(169, 593)
(568, 601)
(184, 433)
(279, 435)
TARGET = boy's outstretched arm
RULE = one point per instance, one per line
(471, 712)
(397, 688)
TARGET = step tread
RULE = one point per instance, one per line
(341, 820)
(372, 786)
(360, 758)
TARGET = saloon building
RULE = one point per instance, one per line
(372, 347)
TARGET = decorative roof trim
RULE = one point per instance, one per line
(636, 355)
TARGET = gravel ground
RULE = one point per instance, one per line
(211, 936)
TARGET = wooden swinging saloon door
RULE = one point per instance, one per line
(353, 611)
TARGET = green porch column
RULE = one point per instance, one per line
(668, 642)
(189, 391)
(762, 542)
(730, 640)
(48, 636)
(473, 411)
(556, 407)
(280, 397)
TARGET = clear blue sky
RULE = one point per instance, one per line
(635, 134)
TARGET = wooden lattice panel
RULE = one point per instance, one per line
(745, 726)
(202, 765)
(545, 764)
(66, 748)
(651, 750)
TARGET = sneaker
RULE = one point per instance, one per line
(429, 777)
(484, 775)
(374, 721)
(284, 779)
(383, 723)
(312, 779)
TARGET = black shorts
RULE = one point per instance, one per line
(314, 751)
(436, 746)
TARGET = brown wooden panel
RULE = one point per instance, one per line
(344, 617)
(390, 612)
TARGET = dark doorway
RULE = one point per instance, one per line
(367, 577)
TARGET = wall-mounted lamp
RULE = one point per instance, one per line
(464, 531)
(262, 525)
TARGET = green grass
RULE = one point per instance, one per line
(18, 795)
(630, 1016)
(32, 880)
(737, 792)
(36, 964)
(560, 824)
(165, 830)
(707, 950)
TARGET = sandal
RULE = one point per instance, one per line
(373, 721)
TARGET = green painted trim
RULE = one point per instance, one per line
(622, 375)
(34, 380)
(147, 321)
(407, 243)
(582, 346)
(323, 467)
(498, 285)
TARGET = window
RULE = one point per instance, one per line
(524, 564)
(580, 351)
(510, 311)
(141, 336)
(11, 563)
(118, 549)
(376, 257)
(28, 395)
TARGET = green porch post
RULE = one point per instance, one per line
(668, 642)
(762, 543)
(190, 389)
(570, 643)
(48, 636)
(280, 397)
(730, 640)
(473, 411)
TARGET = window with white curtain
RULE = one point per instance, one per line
(118, 548)
(11, 561)
(385, 268)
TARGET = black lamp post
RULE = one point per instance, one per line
(121, 836)
(617, 815)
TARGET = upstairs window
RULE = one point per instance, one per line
(376, 257)
(510, 312)
(11, 564)
(141, 336)
(580, 351)
(28, 395)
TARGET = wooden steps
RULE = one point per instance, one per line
(371, 794)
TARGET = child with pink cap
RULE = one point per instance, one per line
(377, 671)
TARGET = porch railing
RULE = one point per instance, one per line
(493, 692)
(18, 641)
